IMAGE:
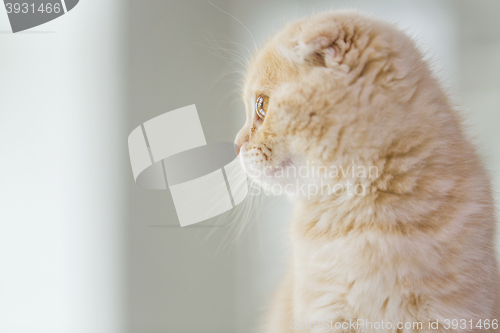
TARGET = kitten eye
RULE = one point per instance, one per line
(261, 106)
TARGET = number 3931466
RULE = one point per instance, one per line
(33, 8)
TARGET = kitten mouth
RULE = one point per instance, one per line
(286, 162)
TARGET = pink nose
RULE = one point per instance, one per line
(237, 149)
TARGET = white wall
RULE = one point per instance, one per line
(63, 163)
(478, 89)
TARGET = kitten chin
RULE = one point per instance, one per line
(345, 90)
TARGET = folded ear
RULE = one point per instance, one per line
(319, 51)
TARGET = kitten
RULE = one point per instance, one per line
(414, 242)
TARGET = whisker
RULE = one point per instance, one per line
(221, 76)
(235, 43)
(222, 10)
(240, 56)
(217, 55)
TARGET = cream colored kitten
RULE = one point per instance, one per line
(415, 242)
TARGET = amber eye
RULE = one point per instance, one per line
(261, 106)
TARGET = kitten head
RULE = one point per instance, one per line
(328, 91)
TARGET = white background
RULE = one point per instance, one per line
(62, 182)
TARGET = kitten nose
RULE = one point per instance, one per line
(237, 149)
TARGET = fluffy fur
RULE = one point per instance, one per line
(348, 90)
